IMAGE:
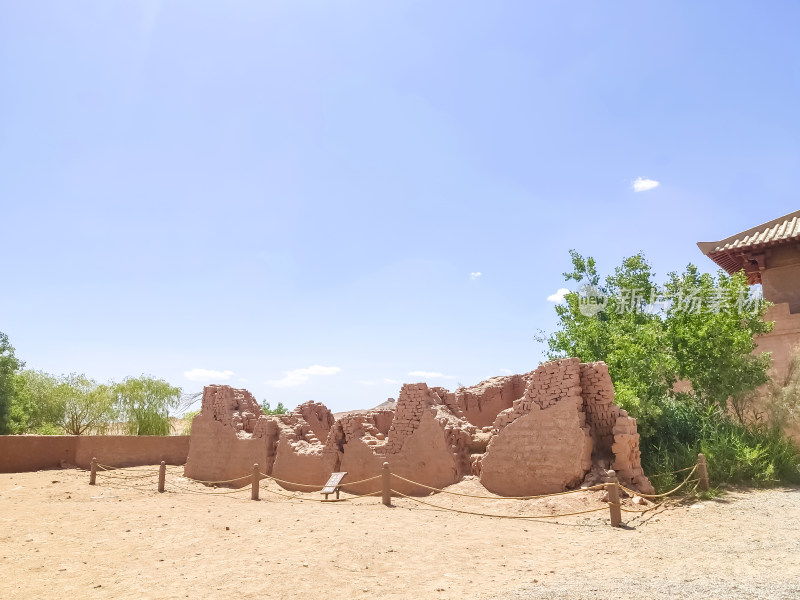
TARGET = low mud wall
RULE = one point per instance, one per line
(19, 453)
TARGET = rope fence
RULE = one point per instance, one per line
(143, 481)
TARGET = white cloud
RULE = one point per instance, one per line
(507, 371)
(642, 185)
(475, 275)
(207, 375)
(430, 375)
(559, 295)
(298, 376)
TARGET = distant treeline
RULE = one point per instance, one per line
(36, 402)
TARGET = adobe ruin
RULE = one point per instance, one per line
(549, 430)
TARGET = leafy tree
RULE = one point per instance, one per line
(87, 406)
(144, 403)
(278, 410)
(694, 328)
(9, 365)
(38, 405)
(713, 349)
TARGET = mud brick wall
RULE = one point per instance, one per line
(230, 406)
(481, 403)
(598, 404)
(548, 384)
(542, 442)
(525, 434)
(19, 453)
(412, 402)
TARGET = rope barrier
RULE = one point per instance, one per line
(309, 485)
(216, 482)
(295, 497)
(360, 481)
(118, 479)
(588, 489)
(659, 495)
(108, 476)
(672, 472)
(467, 512)
(140, 489)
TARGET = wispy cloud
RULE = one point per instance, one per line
(642, 185)
(559, 295)
(507, 371)
(475, 275)
(299, 376)
(430, 375)
(208, 375)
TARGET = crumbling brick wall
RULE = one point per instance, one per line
(480, 404)
(616, 441)
(561, 423)
(542, 442)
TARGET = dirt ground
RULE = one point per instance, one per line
(61, 538)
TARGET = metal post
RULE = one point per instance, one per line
(93, 472)
(162, 476)
(387, 485)
(256, 479)
(613, 498)
(702, 471)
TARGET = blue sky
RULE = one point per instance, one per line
(298, 195)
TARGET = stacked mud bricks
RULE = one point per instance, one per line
(429, 435)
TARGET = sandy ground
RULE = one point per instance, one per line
(61, 538)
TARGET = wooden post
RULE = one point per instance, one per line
(162, 476)
(256, 478)
(702, 471)
(387, 485)
(93, 472)
(613, 499)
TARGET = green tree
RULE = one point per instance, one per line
(9, 365)
(38, 404)
(696, 329)
(278, 410)
(144, 404)
(703, 334)
(714, 349)
(88, 407)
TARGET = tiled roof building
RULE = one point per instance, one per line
(769, 254)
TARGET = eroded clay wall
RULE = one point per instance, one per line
(19, 453)
(535, 433)
(480, 404)
(542, 444)
(615, 436)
